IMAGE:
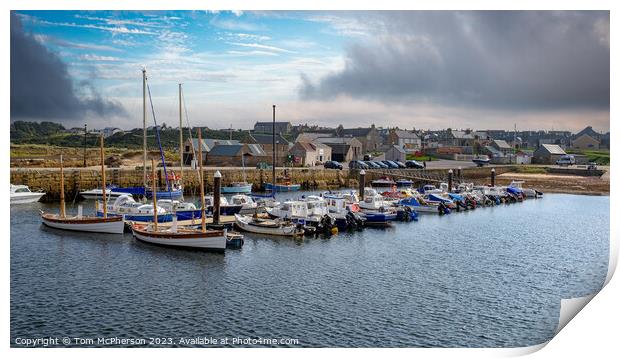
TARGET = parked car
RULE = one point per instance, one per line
(332, 164)
(592, 166)
(390, 164)
(357, 164)
(401, 165)
(413, 164)
(372, 165)
(566, 160)
(381, 164)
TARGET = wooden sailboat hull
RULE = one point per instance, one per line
(213, 240)
(110, 225)
(244, 223)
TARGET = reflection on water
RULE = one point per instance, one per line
(485, 278)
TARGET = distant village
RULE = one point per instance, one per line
(303, 145)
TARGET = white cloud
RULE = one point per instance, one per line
(113, 29)
(45, 39)
(91, 57)
(235, 25)
(260, 46)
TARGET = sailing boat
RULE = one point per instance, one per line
(174, 190)
(181, 237)
(239, 187)
(105, 224)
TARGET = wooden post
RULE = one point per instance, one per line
(493, 177)
(203, 223)
(154, 193)
(62, 190)
(104, 201)
(217, 187)
(362, 183)
(450, 173)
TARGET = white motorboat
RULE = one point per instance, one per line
(276, 227)
(374, 201)
(97, 194)
(21, 194)
(133, 210)
(248, 205)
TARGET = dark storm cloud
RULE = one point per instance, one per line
(41, 87)
(510, 60)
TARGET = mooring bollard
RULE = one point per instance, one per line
(450, 173)
(493, 177)
(217, 187)
(362, 183)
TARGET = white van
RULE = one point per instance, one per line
(566, 160)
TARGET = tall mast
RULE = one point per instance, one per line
(180, 132)
(154, 193)
(62, 190)
(273, 144)
(105, 208)
(203, 223)
(144, 127)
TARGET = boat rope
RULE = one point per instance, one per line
(161, 151)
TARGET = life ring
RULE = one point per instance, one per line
(355, 207)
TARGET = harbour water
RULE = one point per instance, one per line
(492, 277)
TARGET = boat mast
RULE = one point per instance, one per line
(105, 208)
(62, 190)
(144, 128)
(180, 132)
(273, 143)
(203, 224)
(154, 193)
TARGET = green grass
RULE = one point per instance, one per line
(424, 158)
(529, 170)
(600, 157)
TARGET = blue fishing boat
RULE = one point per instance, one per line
(282, 187)
(237, 188)
(421, 208)
(378, 218)
(404, 183)
(138, 191)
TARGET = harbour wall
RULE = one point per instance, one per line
(79, 179)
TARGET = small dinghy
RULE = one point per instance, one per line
(267, 226)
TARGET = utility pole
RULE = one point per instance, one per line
(84, 145)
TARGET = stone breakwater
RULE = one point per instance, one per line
(79, 179)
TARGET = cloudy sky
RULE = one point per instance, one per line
(412, 69)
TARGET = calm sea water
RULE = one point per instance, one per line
(492, 277)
